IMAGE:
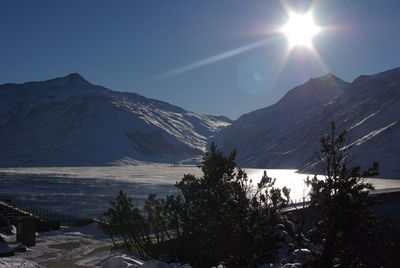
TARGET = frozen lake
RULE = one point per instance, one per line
(85, 192)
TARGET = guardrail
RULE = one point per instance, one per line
(42, 214)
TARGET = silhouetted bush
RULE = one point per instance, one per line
(223, 218)
(217, 218)
(345, 232)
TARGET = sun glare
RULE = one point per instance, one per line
(300, 29)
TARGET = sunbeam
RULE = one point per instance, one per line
(215, 58)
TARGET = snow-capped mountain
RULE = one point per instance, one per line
(68, 121)
(286, 134)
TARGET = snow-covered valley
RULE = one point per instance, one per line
(69, 122)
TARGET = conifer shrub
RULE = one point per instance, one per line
(345, 233)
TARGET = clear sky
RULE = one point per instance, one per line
(221, 57)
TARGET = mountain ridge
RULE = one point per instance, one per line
(68, 121)
(286, 134)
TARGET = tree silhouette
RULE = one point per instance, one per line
(226, 218)
(345, 223)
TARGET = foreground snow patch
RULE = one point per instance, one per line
(123, 261)
(17, 261)
(120, 261)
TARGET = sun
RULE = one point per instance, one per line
(300, 29)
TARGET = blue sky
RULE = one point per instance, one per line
(165, 49)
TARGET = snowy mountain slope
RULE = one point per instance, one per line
(286, 134)
(68, 121)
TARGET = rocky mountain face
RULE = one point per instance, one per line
(286, 134)
(70, 122)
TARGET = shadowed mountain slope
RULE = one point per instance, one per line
(286, 134)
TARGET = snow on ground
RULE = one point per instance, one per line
(17, 261)
(67, 245)
(85, 246)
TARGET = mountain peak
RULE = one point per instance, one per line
(329, 77)
(315, 90)
(74, 78)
